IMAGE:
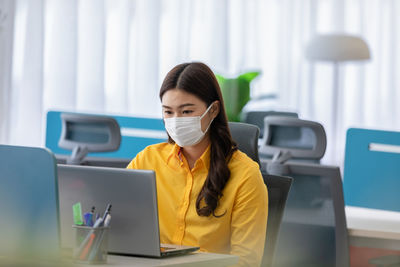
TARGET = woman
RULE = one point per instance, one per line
(210, 194)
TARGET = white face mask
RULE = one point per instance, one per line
(186, 131)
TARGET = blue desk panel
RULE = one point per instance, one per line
(372, 169)
(137, 133)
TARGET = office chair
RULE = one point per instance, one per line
(278, 190)
(289, 138)
(246, 136)
(313, 228)
(83, 133)
(257, 117)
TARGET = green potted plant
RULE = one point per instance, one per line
(236, 93)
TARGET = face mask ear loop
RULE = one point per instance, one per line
(207, 110)
(208, 126)
(201, 117)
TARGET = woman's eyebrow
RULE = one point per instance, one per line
(180, 106)
(186, 105)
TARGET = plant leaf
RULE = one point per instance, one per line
(249, 76)
(220, 78)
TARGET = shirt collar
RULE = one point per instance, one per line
(205, 158)
(175, 157)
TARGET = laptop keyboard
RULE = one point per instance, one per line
(163, 249)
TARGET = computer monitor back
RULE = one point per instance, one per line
(134, 225)
(29, 221)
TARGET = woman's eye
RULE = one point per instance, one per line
(167, 112)
(187, 111)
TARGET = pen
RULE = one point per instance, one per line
(87, 247)
(95, 250)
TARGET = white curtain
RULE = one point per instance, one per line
(110, 56)
(6, 33)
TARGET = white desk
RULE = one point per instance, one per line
(373, 228)
(196, 259)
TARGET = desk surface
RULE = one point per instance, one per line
(193, 259)
(196, 259)
(373, 223)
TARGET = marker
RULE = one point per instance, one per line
(108, 209)
(89, 217)
(107, 221)
(92, 217)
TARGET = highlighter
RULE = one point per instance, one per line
(77, 212)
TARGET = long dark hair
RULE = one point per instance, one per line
(197, 78)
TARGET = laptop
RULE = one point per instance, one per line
(29, 222)
(134, 228)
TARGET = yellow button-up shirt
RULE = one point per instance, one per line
(240, 231)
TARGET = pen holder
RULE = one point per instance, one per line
(91, 244)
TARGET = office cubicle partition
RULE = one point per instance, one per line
(136, 134)
(372, 169)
